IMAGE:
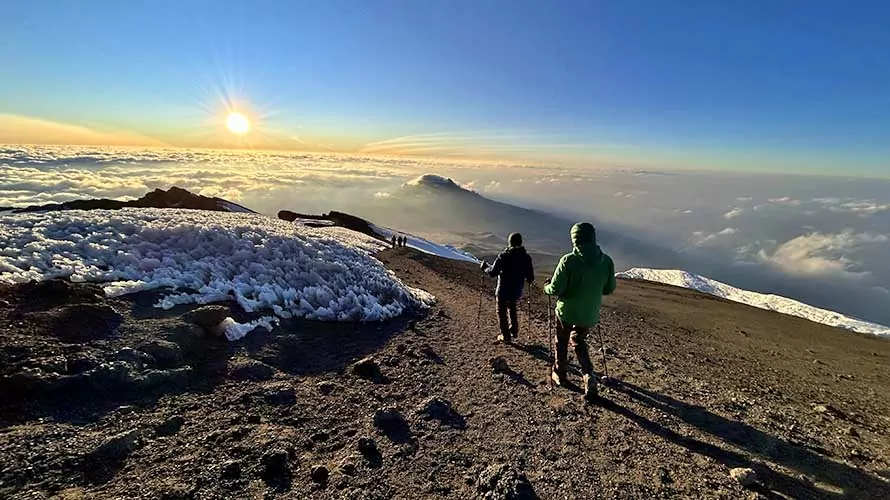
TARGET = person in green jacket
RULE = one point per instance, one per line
(579, 283)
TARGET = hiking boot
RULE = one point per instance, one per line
(502, 338)
(556, 378)
(589, 384)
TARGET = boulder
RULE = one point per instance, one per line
(274, 464)
(281, 396)
(111, 376)
(347, 466)
(499, 365)
(51, 364)
(177, 377)
(81, 362)
(80, 323)
(367, 368)
(387, 418)
(503, 482)
(392, 424)
(166, 353)
(320, 474)
(827, 409)
(190, 338)
(744, 476)
(57, 292)
(117, 447)
(137, 358)
(170, 426)
(26, 382)
(208, 318)
(368, 447)
(230, 470)
(250, 369)
(325, 387)
(440, 409)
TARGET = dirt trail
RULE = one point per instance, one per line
(706, 386)
(729, 388)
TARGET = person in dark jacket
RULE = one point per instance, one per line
(513, 269)
(394, 241)
(579, 283)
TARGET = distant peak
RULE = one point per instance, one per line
(435, 181)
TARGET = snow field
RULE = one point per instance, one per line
(294, 271)
(425, 246)
(760, 300)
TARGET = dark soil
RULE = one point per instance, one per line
(699, 386)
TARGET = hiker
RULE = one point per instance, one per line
(394, 241)
(513, 268)
(579, 283)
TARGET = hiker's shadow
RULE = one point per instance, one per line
(852, 481)
(516, 377)
(537, 351)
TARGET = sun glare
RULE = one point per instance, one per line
(237, 123)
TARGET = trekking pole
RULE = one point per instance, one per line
(528, 314)
(550, 338)
(479, 311)
(599, 334)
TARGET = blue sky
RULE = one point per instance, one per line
(762, 85)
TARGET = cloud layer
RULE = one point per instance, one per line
(817, 239)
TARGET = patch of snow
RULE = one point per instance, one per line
(770, 302)
(232, 207)
(434, 180)
(317, 222)
(296, 271)
(426, 246)
(236, 331)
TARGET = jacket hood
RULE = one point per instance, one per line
(590, 253)
(584, 242)
(583, 232)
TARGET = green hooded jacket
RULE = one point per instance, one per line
(581, 279)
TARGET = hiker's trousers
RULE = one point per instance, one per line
(511, 327)
(576, 336)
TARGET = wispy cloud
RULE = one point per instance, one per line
(15, 129)
(480, 144)
(735, 212)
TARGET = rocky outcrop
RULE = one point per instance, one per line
(172, 198)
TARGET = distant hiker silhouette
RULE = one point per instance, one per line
(513, 268)
(579, 283)
(393, 239)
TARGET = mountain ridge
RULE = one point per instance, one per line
(173, 197)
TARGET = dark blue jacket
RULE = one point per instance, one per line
(513, 268)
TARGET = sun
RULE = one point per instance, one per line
(237, 123)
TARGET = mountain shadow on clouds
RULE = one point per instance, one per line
(440, 208)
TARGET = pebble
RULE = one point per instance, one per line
(744, 476)
(230, 470)
(170, 426)
(320, 474)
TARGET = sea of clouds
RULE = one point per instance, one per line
(822, 240)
